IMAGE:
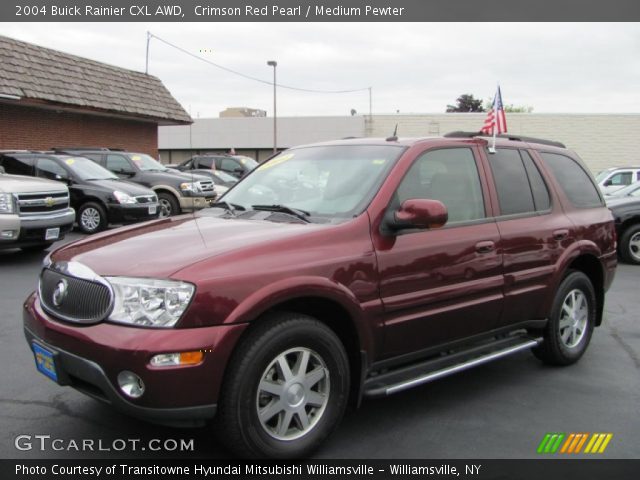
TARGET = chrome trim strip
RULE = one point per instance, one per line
(45, 216)
(430, 377)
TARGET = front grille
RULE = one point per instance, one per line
(205, 186)
(147, 199)
(39, 203)
(84, 301)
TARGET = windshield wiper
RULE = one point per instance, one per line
(230, 207)
(296, 212)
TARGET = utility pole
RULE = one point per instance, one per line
(146, 65)
(274, 64)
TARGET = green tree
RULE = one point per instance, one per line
(466, 103)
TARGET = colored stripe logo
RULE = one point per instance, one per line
(573, 443)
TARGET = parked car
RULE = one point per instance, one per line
(236, 165)
(177, 192)
(626, 213)
(632, 190)
(421, 258)
(34, 213)
(99, 197)
(615, 178)
(221, 181)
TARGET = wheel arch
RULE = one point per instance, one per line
(592, 268)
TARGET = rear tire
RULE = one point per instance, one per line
(285, 390)
(630, 245)
(92, 218)
(570, 326)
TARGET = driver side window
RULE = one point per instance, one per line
(449, 175)
(117, 164)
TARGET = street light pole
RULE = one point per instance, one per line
(274, 64)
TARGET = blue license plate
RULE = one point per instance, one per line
(44, 362)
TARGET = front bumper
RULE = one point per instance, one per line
(89, 358)
(124, 213)
(31, 230)
(189, 204)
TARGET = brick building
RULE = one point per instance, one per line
(53, 99)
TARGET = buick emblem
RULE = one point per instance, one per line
(60, 293)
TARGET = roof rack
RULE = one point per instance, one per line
(82, 149)
(517, 138)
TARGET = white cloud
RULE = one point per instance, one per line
(412, 67)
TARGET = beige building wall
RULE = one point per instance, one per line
(602, 140)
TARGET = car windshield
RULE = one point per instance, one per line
(145, 162)
(248, 162)
(86, 169)
(632, 190)
(335, 181)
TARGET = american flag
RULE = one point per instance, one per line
(495, 117)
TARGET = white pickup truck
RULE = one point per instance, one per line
(34, 212)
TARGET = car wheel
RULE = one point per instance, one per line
(570, 326)
(92, 218)
(168, 205)
(286, 388)
(630, 245)
(36, 248)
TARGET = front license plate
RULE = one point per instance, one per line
(152, 209)
(44, 362)
(52, 233)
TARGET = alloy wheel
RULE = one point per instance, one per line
(573, 318)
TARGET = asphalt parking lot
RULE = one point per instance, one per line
(500, 410)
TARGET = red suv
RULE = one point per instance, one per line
(333, 272)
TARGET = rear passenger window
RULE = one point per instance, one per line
(538, 187)
(512, 184)
(450, 176)
(575, 182)
(17, 165)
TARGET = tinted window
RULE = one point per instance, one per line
(205, 162)
(512, 184)
(575, 182)
(229, 165)
(96, 157)
(117, 163)
(450, 176)
(17, 165)
(538, 187)
(48, 168)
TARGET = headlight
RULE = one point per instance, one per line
(149, 302)
(123, 197)
(190, 187)
(6, 203)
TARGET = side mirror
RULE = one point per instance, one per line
(239, 171)
(417, 213)
(607, 183)
(128, 173)
(66, 180)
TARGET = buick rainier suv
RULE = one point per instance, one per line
(332, 273)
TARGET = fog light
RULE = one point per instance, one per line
(130, 384)
(174, 359)
(9, 234)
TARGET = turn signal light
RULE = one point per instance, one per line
(177, 359)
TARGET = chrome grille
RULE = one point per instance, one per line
(68, 297)
(39, 203)
(205, 186)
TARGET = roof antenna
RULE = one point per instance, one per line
(394, 137)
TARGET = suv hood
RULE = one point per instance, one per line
(22, 184)
(175, 176)
(163, 247)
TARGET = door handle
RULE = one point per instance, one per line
(560, 234)
(485, 247)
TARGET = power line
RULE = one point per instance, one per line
(249, 77)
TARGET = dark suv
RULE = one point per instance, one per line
(393, 263)
(177, 192)
(236, 165)
(97, 195)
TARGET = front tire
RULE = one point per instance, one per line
(569, 329)
(92, 218)
(285, 390)
(630, 245)
(169, 206)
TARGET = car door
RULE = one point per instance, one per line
(534, 232)
(232, 167)
(121, 166)
(50, 169)
(444, 284)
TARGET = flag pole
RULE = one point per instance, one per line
(495, 121)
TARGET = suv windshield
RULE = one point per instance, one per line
(327, 181)
(145, 162)
(248, 162)
(86, 169)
